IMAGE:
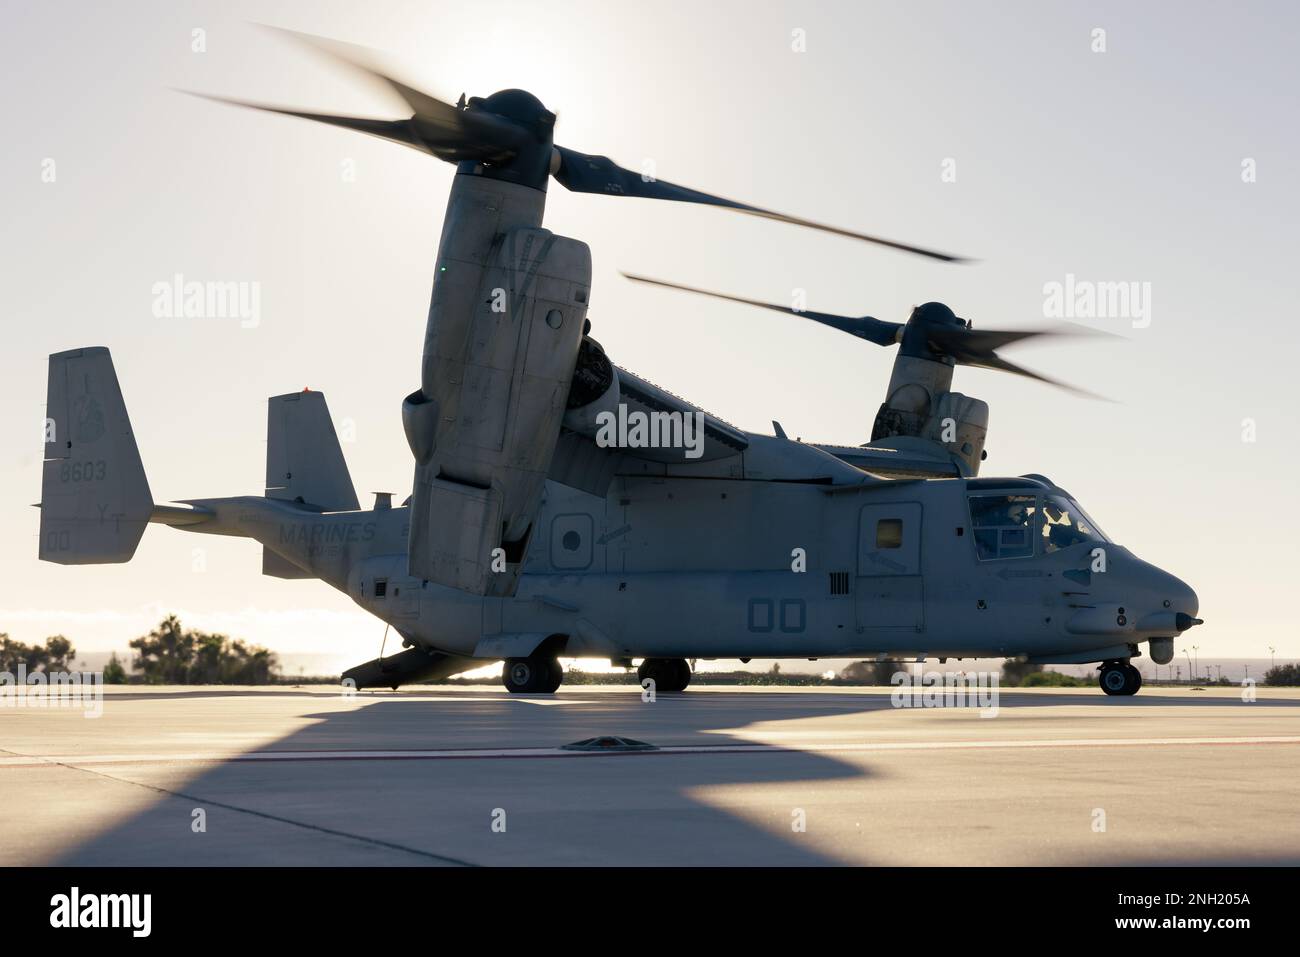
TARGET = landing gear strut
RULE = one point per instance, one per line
(1119, 678)
(668, 674)
(533, 675)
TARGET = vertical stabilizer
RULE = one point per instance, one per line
(304, 462)
(95, 500)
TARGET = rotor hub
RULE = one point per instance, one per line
(518, 106)
(918, 339)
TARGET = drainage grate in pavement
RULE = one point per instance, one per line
(608, 742)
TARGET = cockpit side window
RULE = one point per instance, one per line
(1003, 525)
(1065, 524)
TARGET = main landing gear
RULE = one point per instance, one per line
(533, 675)
(1119, 678)
(668, 674)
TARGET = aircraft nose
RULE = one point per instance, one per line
(1181, 598)
(1178, 597)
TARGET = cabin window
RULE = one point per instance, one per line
(889, 533)
(1003, 525)
(381, 587)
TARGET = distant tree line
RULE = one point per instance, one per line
(1283, 675)
(55, 655)
(172, 655)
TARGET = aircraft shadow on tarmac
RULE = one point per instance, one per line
(616, 809)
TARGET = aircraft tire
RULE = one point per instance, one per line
(554, 676)
(670, 675)
(1119, 678)
(525, 675)
(1135, 677)
(649, 669)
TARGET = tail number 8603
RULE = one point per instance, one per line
(91, 470)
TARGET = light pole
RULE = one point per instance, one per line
(1272, 657)
(1196, 649)
(1191, 672)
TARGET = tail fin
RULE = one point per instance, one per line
(304, 462)
(95, 500)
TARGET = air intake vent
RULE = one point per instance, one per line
(839, 583)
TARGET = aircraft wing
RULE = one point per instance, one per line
(584, 463)
(586, 459)
(721, 439)
(899, 456)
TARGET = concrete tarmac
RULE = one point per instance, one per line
(744, 776)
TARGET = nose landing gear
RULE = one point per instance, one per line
(1119, 678)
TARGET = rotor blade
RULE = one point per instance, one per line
(409, 132)
(436, 127)
(584, 173)
(977, 348)
(367, 63)
(864, 327)
(399, 131)
(988, 340)
(973, 343)
(444, 127)
(993, 361)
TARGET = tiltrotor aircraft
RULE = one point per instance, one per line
(563, 506)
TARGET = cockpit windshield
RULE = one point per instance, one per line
(1066, 524)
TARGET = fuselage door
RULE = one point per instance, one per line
(890, 589)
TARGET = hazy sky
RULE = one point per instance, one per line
(1117, 166)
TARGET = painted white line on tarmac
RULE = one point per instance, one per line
(214, 757)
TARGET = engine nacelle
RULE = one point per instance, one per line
(919, 401)
(919, 405)
(960, 424)
(505, 322)
(420, 423)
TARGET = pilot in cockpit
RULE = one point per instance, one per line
(1058, 530)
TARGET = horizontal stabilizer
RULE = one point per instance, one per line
(277, 566)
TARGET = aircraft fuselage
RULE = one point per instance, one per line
(669, 567)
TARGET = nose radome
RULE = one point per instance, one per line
(1182, 598)
(1177, 596)
(1165, 592)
